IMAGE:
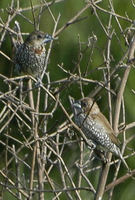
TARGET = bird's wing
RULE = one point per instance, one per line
(101, 119)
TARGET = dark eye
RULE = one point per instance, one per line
(39, 36)
(83, 104)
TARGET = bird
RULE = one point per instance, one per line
(95, 126)
(30, 55)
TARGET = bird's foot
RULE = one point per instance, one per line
(39, 83)
(100, 155)
(91, 145)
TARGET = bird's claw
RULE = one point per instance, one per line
(39, 83)
(91, 145)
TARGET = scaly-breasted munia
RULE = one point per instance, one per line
(95, 126)
(30, 56)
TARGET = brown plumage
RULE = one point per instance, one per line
(95, 126)
(30, 56)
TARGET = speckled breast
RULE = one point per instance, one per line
(30, 61)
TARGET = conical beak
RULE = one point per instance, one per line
(77, 105)
(48, 38)
(74, 104)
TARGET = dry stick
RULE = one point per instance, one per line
(6, 25)
(79, 70)
(50, 153)
(47, 173)
(17, 152)
(123, 85)
(44, 148)
(32, 171)
(105, 168)
(68, 117)
(8, 133)
(14, 139)
(129, 126)
(41, 165)
(81, 162)
(118, 165)
(18, 177)
(109, 78)
(82, 94)
(60, 166)
(73, 20)
(13, 184)
(8, 29)
(61, 170)
(36, 147)
(108, 68)
(116, 16)
(31, 95)
(43, 8)
(39, 6)
(9, 120)
(39, 156)
(45, 67)
(94, 4)
(100, 22)
(9, 190)
(33, 15)
(11, 153)
(63, 180)
(48, 7)
(66, 169)
(117, 112)
(50, 48)
(119, 180)
(51, 184)
(74, 125)
(4, 113)
(14, 111)
(7, 57)
(34, 150)
(37, 152)
(86, 179)
(8, 96)
(76, 78)
(1, 41)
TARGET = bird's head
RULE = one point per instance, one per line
(86, 105)
(37, 39)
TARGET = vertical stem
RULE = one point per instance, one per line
(123, 85)
(105, 167)
(39, 161)
(31, 100)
